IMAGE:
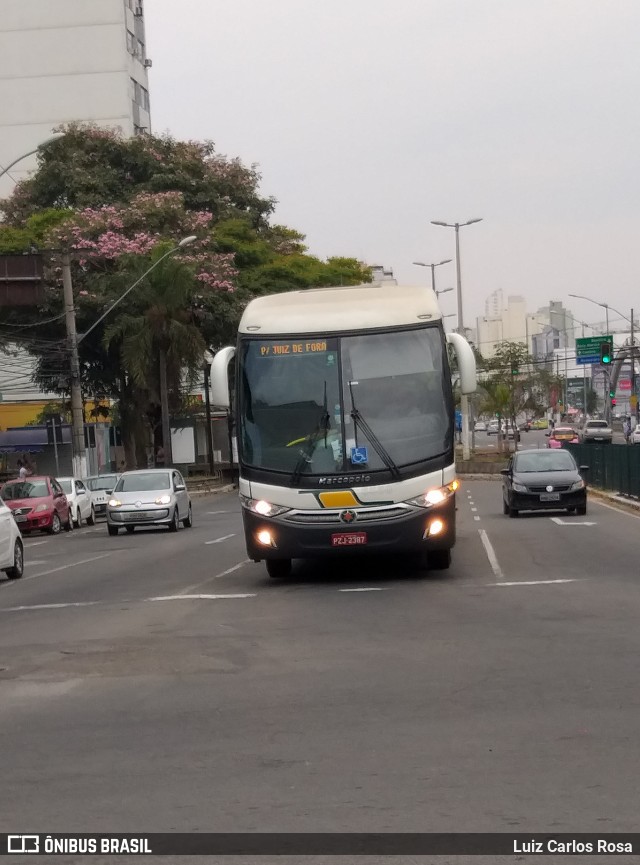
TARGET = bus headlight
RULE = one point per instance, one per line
(435, 496)
(262, 507)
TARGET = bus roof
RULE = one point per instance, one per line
(331, 310)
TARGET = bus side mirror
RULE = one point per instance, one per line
(219, 377)
(466, 362)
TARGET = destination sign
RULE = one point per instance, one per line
(290, 348)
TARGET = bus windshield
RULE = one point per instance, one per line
(364, 402)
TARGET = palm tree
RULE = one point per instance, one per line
(158, 336)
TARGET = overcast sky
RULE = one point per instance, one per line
(369, 118)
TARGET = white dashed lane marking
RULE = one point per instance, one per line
(219, 540)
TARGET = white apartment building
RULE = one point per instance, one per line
(513, 324)
(494, 304)
(69, 60)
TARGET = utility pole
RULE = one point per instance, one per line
(77, 411)
(164, 407)
(633, 369)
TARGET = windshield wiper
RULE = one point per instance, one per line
(321, 427)
(378, 447)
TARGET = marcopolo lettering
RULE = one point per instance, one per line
(347, 479)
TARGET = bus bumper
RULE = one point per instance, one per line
(410, 534)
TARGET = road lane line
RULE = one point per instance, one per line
(50, 606)
(474, 510)
(200, 597)
(32, 544)
(216, 577)
(534, 582)
(491, 554)
(619, 510)
(560, 522)
(211, 513)
(477, 519)
(367, 589)
(219, 540)
(64, 567)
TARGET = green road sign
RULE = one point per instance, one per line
(588, 348)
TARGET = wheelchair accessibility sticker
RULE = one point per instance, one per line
(359, 456)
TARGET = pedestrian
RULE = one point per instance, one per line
(22, 470)
(627, 429)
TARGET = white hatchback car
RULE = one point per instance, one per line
(11, 547)
(635, 435)
(80, 501)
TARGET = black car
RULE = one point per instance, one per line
(543, 480)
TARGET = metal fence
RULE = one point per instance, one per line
(611, 467)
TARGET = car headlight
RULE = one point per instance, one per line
(39, 508)
(579, 485)
(519, 488)
(262, 507)
(435, 496)
(114, 503)
(164, 500)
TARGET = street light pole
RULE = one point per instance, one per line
(55, 137)
(433, 273)
(464, 399)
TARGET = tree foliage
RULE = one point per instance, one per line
(117, 204)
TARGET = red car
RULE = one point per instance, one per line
(38, 503)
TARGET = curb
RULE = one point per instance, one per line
(614, 499)
(472, 476)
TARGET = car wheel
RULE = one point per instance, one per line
(91, 519)
(129, 529)
(505, 507)
(439, 560)
(581, 511)
(17, 570)
(56, 525)
(78, 520)
(68, 526)
(278, 569)
(513, 513)
(175, 522)
(188, 520)
(113, 530)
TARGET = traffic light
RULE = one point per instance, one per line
(612, 394)
(614, 401)
(605, 352)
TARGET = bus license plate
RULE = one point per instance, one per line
(349, 539)
(550, 497)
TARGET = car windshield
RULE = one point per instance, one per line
(66, 484)
(298, 400)
(103, 482)
(598, 424)
(544, 461)
(139, 483)
(25, 490)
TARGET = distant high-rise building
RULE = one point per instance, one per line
(65, 61)
(494, 304)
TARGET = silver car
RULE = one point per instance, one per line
(150, 497)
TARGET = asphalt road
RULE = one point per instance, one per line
(159, 682)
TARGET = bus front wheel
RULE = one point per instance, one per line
(278, 569)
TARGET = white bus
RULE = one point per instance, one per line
(345, 424)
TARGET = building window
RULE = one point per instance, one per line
(140, 50)
(139, 130)
(132, 43)
(145, 98)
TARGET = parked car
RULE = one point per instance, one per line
(562, 435)
(79, 499)
(540, 423)
(480, 426)
(101, 487)
(149, 497)
(38, 503)
(543, 480)
(493, 428)
(11, 547)
(596, 431)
